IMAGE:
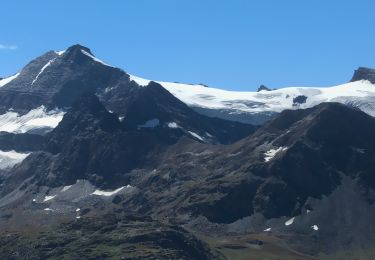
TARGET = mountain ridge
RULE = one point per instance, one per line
(133, 163)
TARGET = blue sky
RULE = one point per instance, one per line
(232, 44)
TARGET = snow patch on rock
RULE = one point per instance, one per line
(37, 118)
(270, 154)
(65, 188)
(10, 158)
(60, 53)
(140, 81)
(47, 198)
(109, 193)
(5, 81)
(173, 125)
(315, 227)
(42, 70)
(289, 222)
(94, 58)
(196, 135)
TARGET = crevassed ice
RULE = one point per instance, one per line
(10, 158)
(35, 119)
(271, 153)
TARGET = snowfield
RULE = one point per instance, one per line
(10, 158)
(5, 81)
(360, 94)
(272, 153)
(37, 118)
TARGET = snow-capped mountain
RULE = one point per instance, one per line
(258, 107)
(89, 151)
(36, 98)
(76, 70)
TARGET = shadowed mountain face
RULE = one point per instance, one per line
(56, 80)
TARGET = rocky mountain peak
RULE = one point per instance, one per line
(263, 87)
(363, 73)
(78, 48)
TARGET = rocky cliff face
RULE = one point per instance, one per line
(363, 73)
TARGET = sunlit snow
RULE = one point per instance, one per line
(139, 81)
(60, 52)
(109, 193)
(5, 81)
(65, 188)
(47, 198)
(94, 58)
(42, 70)
(10, 158)
(270, 101)
(315, 227)
(196, 135)
(173, 125)
(271, 153)
(35, 119)
(289, 222)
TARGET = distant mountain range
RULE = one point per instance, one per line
(96, 163)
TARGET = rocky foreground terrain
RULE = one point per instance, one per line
(95, 165)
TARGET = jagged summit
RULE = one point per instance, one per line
(263, 87)
(363, 73)
(78, 47)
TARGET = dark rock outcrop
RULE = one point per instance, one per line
(363, 73)
(263, 87)
(21, 142)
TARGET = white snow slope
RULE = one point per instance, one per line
(10, 158)
(35, 119)
(359, 94)
(5, 81)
